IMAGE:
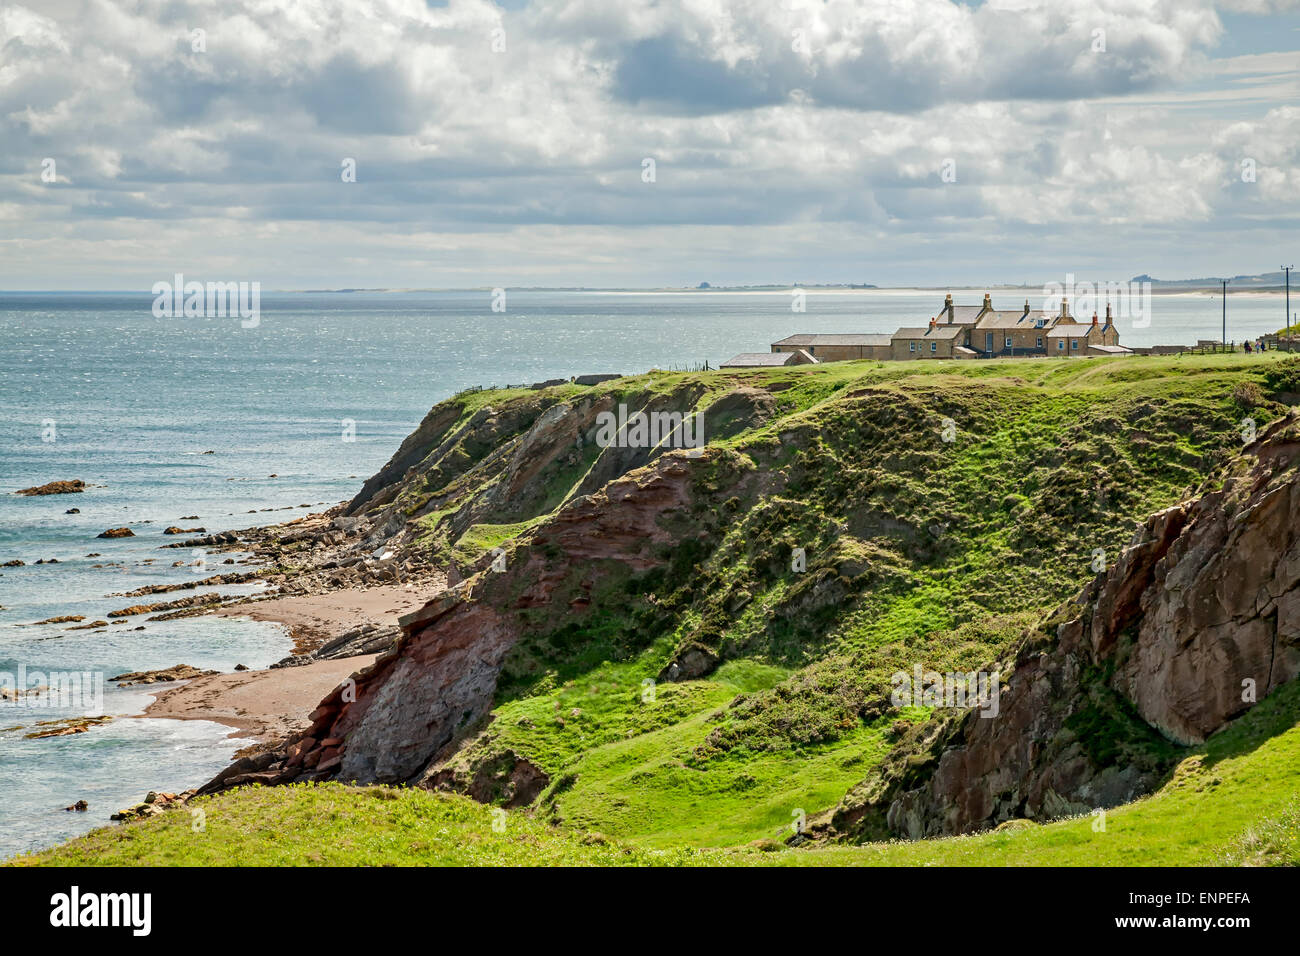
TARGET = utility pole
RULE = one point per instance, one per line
(1225, 313)
(1287, 270)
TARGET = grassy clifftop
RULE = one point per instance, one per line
(719, 694)
(1231, 802)
(941, 507)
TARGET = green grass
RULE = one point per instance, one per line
(479, 539)
(919, 550)
(1232, 801)
(333, 825)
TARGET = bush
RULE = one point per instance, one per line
(1248, 395)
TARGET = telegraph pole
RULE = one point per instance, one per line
(1287, 270)
(1225, 312)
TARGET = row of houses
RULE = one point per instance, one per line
(957, 332)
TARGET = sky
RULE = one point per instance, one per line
(645, 143)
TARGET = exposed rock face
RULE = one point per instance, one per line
(411, 707)
(166, 675)
(440, 680)
(507, 779)
(1222, 612)
(73, 487)
(367, 639)
(415, 449)
(1198, 619)
(211, 540)
(194, 600)
(116, 533)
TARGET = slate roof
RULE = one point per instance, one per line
(961, 315)
(803, 340)
(1005, 320)
(759, 360)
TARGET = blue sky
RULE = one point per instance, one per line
(923, 142)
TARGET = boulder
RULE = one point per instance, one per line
(56, 488)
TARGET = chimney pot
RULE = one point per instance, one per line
(988, 302)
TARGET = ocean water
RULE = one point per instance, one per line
(93, 386)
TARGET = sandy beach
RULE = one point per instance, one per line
(315, 618)
(268, 705)
(264, 705)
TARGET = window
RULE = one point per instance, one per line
(911, 346)
(1074, 343)
(1040, 342)
(812, 350)
(934, 346)
(1060, 345)
(1008, 341)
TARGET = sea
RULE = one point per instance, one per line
(221, 424)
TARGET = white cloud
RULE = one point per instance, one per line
(753, 126)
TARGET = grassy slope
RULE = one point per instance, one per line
(929, 551)
(1232, 801)
(1052, 459)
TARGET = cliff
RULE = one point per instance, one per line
(644, 639)
(1197, 621)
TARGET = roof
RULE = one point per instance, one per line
(1005, 320)
(803, 340)
(944, 332)
(1113, 349)
(1075, 331)
(758, 359)
(928, 332)
(961, 314)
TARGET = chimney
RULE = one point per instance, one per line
(1026, 307)
(1094, 318)
(1108, 321)
(1065, 307)
(932, 323)
(947, 306)
(988, 303)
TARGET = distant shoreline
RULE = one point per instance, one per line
(1162, 289)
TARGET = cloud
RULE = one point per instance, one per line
(758, 115)
(896, 57)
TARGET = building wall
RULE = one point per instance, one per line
(901, 349)
(1021, 339)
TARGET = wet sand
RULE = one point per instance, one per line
(264, 705)
(313, 619)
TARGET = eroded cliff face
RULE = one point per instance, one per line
(1198, 620)
(439, 680)
(518, 460)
